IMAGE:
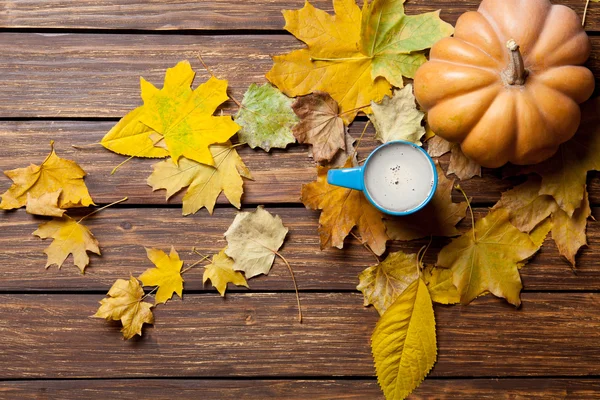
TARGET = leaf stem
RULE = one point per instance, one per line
(424, 249)
(194, 264)
(460, 189)
(366, 246)
(354, 109)
(147, 294)
(204, 64)
(340, 59)
(295, 285)
(84, 146)
(102, 208)
(360, 139)
(587, 3)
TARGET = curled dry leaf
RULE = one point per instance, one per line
(176, 115)
(46, 204)
(340, 158)
(54, 174)
(70, 237)
(438, 218)
(397, 117)
(569, 232)
(460, 165)
(403, 343)
(320, 125)
(342, 210)
(125, 303)
(253, 240)
(383, 283)
(266, 118)
(355, 56)
(166, 275)
(204, 182)
(221, 272)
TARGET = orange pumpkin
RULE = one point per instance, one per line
(508, 85)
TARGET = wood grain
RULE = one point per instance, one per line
(235, 389)
(257, 335)
(199, 15)
(123, 234)
(97, 75)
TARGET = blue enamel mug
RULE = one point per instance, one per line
(398, 177)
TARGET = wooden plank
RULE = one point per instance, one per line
(257, 335)
(199, 15)
(88, 76)
(278, 175)
(123, 233)
(232, 389)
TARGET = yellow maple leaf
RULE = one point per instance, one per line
(176, 115)
(351, 54)
(125, 304)
(440, 285)
(221, 272)
(342, 209)
(53, 174)
(204, 182)
(70, 237)
(46, 204)
(166, 275)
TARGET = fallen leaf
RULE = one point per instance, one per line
(397, 117)
(205, 183)
(526, 207)
(266, 118)
(403, 343)
(485, 259)
(46, 204)
(125, 304)
(342, 210)
(383, 283)
(320, 125)
(440, 284)
(70, 237)
(438, 218)
(221, 272)
(253, 240)
(340, 158)
(53, 174)
(181, 117)
(564, 175)
(460, 165)
(569, 232)
(351, 54)
(166, 275)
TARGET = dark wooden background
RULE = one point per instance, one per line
(69, 69)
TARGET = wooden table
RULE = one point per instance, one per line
(69, 69)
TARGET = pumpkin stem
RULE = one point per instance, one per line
(515, 73)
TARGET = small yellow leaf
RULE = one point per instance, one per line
(53, 174)
(383, 283)
(125, 304)
(46, 204)
(440, 285)
(204, 182)
(404, 344)
(166, 275)
(70, 237)
(221, 272)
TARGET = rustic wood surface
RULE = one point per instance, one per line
(69, 69)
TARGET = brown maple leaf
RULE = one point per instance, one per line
(460, 165)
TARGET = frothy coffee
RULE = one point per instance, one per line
(399, 177)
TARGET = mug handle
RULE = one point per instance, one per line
(351, 178)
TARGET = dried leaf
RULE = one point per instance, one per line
(46, 204)
(125, 304)
(253, 240)
(53, 174)
(526, 208)
(182, 118)
(340, 158)
(320, 125)
(70, 237)
(569, 232)
(440, 285)
(342, 210)
(397, 118)
(221, 272)
(266, 118)
(485, 259)
(351, 54)
(460, 165)
(204, 182)
(438, 146)
(166, 275)
(383, 283)
(404, 344)
(438, 218)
